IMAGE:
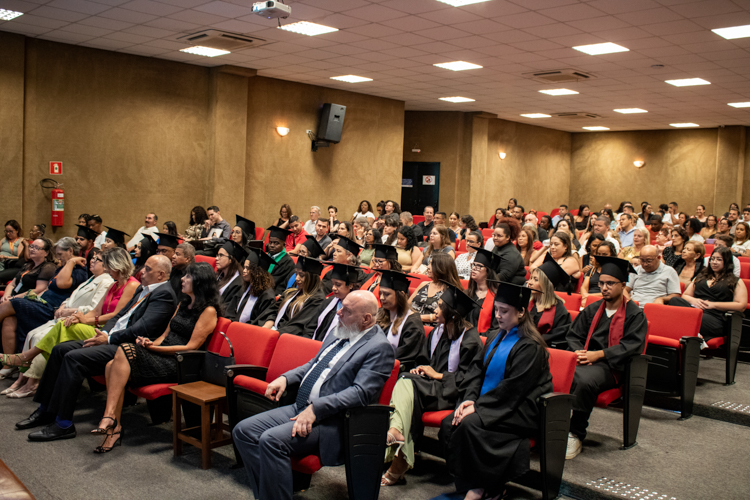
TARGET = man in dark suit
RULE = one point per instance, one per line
(349, 371)
(146, 315)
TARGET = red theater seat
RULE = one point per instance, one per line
(572, 301)
(745, 270)
(209, 260)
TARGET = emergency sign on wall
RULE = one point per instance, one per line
(55, 168)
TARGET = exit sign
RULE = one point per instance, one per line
(55, 168)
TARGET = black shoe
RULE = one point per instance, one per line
(35, 419)
(53, 432)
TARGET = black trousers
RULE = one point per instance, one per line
(588, 382)
(68, 365)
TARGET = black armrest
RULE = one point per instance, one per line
(253, 371)
(553, 439)
(634, 390)
(365, 430)
(189, 366)
(733, 334)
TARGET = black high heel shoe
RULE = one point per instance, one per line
(105, 430)
(118, 442)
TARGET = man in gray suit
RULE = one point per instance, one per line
(350, 370)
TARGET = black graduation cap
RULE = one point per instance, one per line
(554, 271)
(344, 273)
(307, 264)
(148, 245)
(279, 232)
(457, 299)
(247, 226)
(487, 259)
(235, 250)
(394, 280)
(168, 240)
(517, 296)
(116, 235)
(260, 258)
(313, 247)
(86, 232)
(349, 245)
(615, 267)
(385, 252)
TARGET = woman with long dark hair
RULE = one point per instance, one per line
(198, 217)
(365, 210)
(402, 326)
(12, 251)
(582, 219)
(425, 298)
(229, 271)
(709, 230)
(481, 289)
(169, 227)
(256, 304)
(143, 250)
(298, 305)
(406, 247)
(468, 224)
(152, 361)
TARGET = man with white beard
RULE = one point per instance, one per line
(350, 370)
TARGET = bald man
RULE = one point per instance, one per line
(655, 282)
(349, 371)
(146, 315)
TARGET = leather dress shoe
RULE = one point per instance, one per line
(35, 419)
(53, 432)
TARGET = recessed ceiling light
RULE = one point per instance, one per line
(458, 65)
(306, 28)
(596, 49)
(628, 111)
(205, 51)
(734, 32)
(558, 92)
(595, 128)
(456, 99)
(536, 115)
(351, 78)
(687, 82)
(683, 125)
(461, 3)
(740, 104)
(7, 15)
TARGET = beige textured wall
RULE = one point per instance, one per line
(11, 127)
(366, 164)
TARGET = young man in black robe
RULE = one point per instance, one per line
(604, 336)
(283, 268)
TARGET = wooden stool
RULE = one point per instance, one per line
(208, 435)
(11, 486)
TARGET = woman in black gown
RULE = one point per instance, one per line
(256, 303)
(437, 383)
(152, 362)
(403, 327)
(547, 310)
(487, 437)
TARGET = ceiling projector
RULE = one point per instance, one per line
(271, 9)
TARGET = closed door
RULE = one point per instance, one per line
(420, 186)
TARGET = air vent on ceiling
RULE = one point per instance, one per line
(560, 76)
(222, 40)
(580, 115)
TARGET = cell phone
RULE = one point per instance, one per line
(545, 243)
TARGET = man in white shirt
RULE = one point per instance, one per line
(626, 230)
(309, 226)
(655, 282)
(95, 224)
(563, 210)
(149, 226)
(601, 226)
(733, 217)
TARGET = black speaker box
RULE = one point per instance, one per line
(331, 122)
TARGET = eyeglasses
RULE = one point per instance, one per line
(97, 259)
(608, 284)
(35, 247)
(648, 261)
(477, 267)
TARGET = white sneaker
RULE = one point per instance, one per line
(575, 446)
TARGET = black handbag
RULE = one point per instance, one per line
(214, 365)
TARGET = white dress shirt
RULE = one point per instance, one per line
(122, 323)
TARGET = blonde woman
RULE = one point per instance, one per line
(641, 238)
(548, 310)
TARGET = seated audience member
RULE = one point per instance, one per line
(733, 217)
(425, 298)
(626, 229)
(256, 305)
(12, 251)
(672, 215)
(547, 310)
(246, 231)
(723, 228)
(402, 326)
(285, 213)
(709, 229)
(372, 236)
(590, 283)
(147, 361)
(565, 226)
(384, 259)
(438, 382)
(468, 225)
(563, 209)
(184, 255)
(454, 219)
(365, 210)
(198, 217)
(83, 219)
(512, 204)
(392, 207)
(298, 305)
(228, 272)
(531, 220)
(296, 234)
(284, 266)
(380, 208)
(147, 313)
(22, 314)
(517, 213)
(581, 220)
(169, 227)
(92, 304)
(499, 213)
(512, 268)
(85, 238)
(360, 226)
(116, 238)
(655, 227)
(464, 261)
(35, 273)
(215, 227)
(640, 240)
(590, 248)
(693, 228)
(525, 244)
(406, 248)
(692, 261)
(439, 242)
(653, 281)
(427, 224)
(310, 248)
(359, 360)
(309, 226)
(95, 224)
(149, 227)
(560, 249)
(600, 225)
(604, 336)
(347, 231)
(321, 232)
(441, 219)
(37, 231)
(544, 227)
(481, 289)
(333, 221)
(716, 290)
(700, 214)
(344, 251)
(325, 319)
(390, 229)
(487, 437)
(725, 241)
(407, 220)
(166, 245)
(663, 239)
(637, 222)
(144, 249)
(741, 239)
(746, 214)
(672, 255)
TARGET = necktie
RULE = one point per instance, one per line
(306, 388)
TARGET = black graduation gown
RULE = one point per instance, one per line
(312, 331)
(633, 335)
(233, 289)
(282, 270)
(512, 268)
(560, 324)
(328, 286)
(410, 343)
(491, 446)
(265, 308)
(175, 281)
(473, 318)
(296, 325)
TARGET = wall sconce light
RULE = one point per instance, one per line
(282, 131)
(639, 163)
(501, 155)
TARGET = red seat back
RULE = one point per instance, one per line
(743, 259)
(572, 301)
(562, 365)
(252, 345)
(528, 273)
(416, 219)
(709, 249)
(427, 330)
(385, 394)
(487, 233)
(216, 342)
(673, 322)
(554, 212)
(291, 351)
(573, 315)
(259, 233)
(464, 284)
(580, 282)
(461, 247)
(209, 260)
(574, 211)
(744, 270)
(540, 214)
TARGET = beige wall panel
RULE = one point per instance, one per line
(11, 127)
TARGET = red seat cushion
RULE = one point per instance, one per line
(715, 343)
(251, 384)
(433, 418)
(607, 397)
(307, 465)
(100, 378)
(664, 341)
(153, 391)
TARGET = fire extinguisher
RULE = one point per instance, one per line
(58, 201)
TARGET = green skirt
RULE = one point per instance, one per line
(60, 334)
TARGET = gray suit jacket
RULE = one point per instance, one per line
(355, 380)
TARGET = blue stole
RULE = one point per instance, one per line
(495, 372)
